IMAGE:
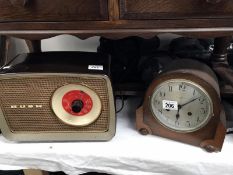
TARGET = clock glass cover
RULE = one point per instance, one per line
(181, 105)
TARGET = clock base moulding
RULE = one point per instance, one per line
(212, 142)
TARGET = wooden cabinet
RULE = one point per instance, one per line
(53, 10)
(39, 19)
(175, 9)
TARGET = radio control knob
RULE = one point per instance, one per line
(77, 106)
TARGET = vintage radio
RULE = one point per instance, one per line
(57, 96)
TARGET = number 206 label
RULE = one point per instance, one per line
(170, 105)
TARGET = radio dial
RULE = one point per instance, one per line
(76, 105)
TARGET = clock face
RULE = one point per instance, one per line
(181, 105)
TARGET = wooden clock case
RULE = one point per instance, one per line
(211, 136)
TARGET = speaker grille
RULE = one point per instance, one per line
(38, 91)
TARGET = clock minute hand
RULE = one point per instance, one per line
(180, 106)
(189, 102)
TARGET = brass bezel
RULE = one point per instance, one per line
(203, 124)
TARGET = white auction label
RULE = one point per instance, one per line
(170, 105)
(96, 67)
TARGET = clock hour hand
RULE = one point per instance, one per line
(178, 112)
